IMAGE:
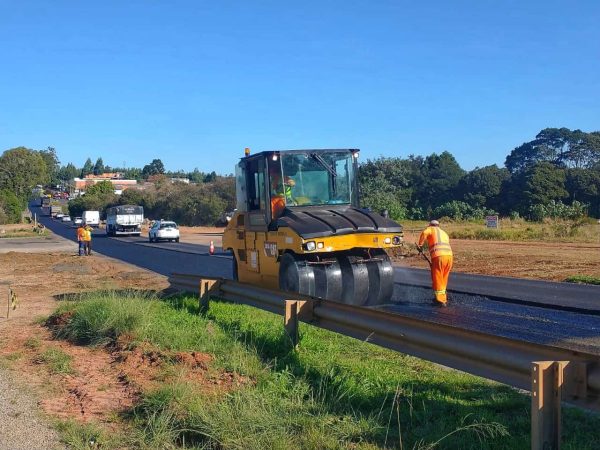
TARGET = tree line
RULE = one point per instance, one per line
(557, 174)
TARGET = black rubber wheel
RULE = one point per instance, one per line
(295, 275)
(328, 280)
(381, 278)
(355, 280)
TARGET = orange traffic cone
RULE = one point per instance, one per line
(211, 249)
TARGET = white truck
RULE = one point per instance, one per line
(124, 220)
(91, 218)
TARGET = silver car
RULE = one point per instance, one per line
(163, 230)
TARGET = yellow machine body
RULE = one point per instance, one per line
(316, 241)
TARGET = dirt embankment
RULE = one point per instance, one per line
(80, 382)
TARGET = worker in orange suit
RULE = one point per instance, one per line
(440, 251)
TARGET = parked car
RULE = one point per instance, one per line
(65, 218)
(77, 221)
(163, 230)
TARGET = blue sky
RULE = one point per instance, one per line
(194, 82)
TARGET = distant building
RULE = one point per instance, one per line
(81, 184)
(105, 176)
(180, 180)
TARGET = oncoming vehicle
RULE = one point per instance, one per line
(163, 230)
(65, 218)
(299, 227)
(124, 220)
(77, 221)
(91, 218)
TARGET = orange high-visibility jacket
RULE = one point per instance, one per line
(80, 234)
(437, 241)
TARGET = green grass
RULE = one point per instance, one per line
(583, 279)
(333, 392)
(26, 231)
(57, 360)
(557, 230)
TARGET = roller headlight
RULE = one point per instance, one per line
(310, 246)
(387, 240)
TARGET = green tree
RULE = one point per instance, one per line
(68, 173)
(52, 164)
(11, 206)
(103, 187)
(559, 146)
(540, 184)
(584, 185)
(87, 168)
(156, 167)
(481, 187)
(384, 185)
(98, 167)
(436, 180)
(21, 169)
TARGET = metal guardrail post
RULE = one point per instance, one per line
(206, 288)
(296, 310)
(547, 379)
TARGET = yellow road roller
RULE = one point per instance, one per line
(299, 227)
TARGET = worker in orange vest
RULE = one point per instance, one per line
(440, 251)
(80, 238)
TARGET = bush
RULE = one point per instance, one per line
(557, 210)
(11, 206)
(458, 210)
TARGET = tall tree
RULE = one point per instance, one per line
(540, 184)
(437, 180)
(68, 172)
(88, 168)
(156, 167)
(52, 164)
(21, 169)
(559, 146)
(481, 186)
(98, 167)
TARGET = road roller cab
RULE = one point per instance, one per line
(299, 227)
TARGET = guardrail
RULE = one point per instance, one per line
(550, 373)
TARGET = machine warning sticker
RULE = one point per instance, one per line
(271, 249)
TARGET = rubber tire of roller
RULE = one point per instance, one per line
(381, 278)
(355, 280)
(328, 281)
(295, 275)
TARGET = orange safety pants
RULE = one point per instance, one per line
(440, 270)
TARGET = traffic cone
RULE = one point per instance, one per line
(211, 249)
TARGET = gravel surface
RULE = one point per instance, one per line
(21, 427)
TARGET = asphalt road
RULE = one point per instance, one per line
(535, 311)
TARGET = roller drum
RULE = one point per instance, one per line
(355, 280)
(328, 280)
(295, 275)
(381, 278)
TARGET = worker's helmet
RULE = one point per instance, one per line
(289, 181)
(434, 223)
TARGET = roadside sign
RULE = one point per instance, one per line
(492, 222)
